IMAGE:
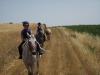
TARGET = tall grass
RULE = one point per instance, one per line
(88, 36)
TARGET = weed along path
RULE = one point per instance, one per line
(65, 55)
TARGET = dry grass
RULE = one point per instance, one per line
(9, 41)
(68, 53)
(92, 43)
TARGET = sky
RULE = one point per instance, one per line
(51, 12)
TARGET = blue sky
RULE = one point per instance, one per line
(52, 12)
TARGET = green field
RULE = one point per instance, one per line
(91, 29)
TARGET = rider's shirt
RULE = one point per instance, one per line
(40, 36)
(24, 33)
(40, 30)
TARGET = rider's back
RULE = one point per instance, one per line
(40, 36)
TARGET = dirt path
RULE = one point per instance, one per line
(64, 55)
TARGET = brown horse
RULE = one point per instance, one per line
(47, 32)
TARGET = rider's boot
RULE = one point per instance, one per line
(41, 50)
(20, 57)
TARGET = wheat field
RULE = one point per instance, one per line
(67, 53)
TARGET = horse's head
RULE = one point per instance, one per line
(32, 43)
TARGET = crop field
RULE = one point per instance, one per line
(91, 29)
(69, 52)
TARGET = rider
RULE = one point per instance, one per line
(38, 35)
(24, 36)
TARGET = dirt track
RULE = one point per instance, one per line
(65, 55)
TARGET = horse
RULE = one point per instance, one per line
(48, 33)
(31, 61)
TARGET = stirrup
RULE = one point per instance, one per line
(41, 52)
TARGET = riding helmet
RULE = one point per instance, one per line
(25, 23)
(39, 24)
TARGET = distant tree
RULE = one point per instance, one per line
(10, 22)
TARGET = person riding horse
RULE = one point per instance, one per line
(40, 34)
(24, 36)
